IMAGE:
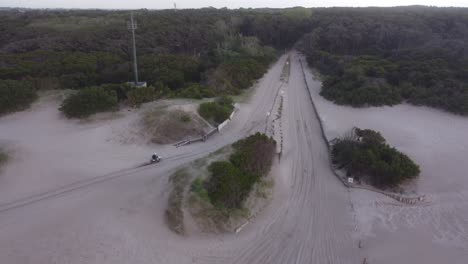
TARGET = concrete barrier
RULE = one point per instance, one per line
(223, 124)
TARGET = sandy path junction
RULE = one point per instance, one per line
(118, 217)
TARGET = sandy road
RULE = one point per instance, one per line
(119, 218)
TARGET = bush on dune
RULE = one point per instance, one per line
(138, 96)
(231, 181)
(15, 96)
(228, 187)
(217, 111)
(89, 101)
(370, 158)
(195, 91)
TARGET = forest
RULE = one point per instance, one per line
(224, 50)
(386, 56)
(367, 56)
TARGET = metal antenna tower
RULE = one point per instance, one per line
(132, 25)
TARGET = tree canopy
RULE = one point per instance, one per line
(384, 56)
(369, 56)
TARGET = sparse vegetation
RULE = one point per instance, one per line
(168, 126)
(15, 96)
(367, 157)
(89, 101)
(198, 188)
(174, 213)
(218, 111)
(185, 118)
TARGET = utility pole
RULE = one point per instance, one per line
(133, 26)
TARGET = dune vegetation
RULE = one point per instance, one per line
(231, 181)
(367, 157)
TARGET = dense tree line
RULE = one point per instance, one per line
(384, 56)
(224, 50)
(367, 157)
(369, 56)
(231, 181)
(15, 95)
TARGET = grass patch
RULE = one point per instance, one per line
(215, 219)
(198, 189)
(168, 126)
(263, 188)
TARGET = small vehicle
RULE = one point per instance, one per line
(155, 158)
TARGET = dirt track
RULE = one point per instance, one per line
(119, 217)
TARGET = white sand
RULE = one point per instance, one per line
(437, 141)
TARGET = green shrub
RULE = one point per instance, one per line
(371, 158)
(15, 96)
(218, 111)
(228, 187)
(254, 155)
(89, 101)
(231, 181)
(195, 91)
(225, 101)
(140, 95)
(121, 90)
